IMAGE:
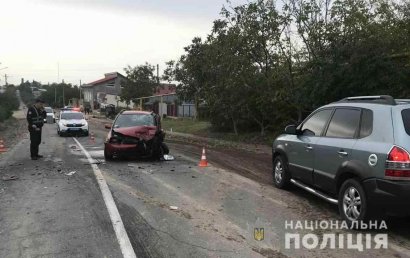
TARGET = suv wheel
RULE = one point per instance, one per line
(281, 175)
(352, 202)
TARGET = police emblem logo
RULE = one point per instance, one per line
(259, 234)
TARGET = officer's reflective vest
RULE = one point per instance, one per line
(38, 120)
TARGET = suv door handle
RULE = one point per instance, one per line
(308, 147)
(342, 152)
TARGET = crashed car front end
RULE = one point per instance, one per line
(120, 145)
(145, 142)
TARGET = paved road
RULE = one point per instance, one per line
(56, 209)
(22, 111)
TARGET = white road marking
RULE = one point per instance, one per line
(123, 240)
(99, 153)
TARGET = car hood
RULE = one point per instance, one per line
(74, 121)
(143, 132)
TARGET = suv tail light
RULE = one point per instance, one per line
(398, 164)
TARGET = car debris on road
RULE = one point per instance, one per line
(71, 173)
(9, 178)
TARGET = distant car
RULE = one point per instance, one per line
(67, 108)
(50, 115)
(135, 134)
(72, 122)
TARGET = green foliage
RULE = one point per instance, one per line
(141, 82)
(261, 67)
(26, 93)
(8, 103)
(53, 94)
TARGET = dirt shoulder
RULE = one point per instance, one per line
(12, 131)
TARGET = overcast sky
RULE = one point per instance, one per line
(88, 38)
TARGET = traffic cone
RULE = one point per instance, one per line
(2, 147)
(92, 138)
(203, 162)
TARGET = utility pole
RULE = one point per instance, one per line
(63, 96)
(5, 79)
(158, 74)
(58, 82)
(80, 94)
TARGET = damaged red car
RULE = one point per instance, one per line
(135, 134)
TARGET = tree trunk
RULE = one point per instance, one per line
(262, 130)
(235, 128)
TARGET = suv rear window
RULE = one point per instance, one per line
(405, 114)
(366, 127)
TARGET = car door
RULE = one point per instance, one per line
(302, 148)
(335, 147)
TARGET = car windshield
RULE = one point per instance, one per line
(71, 116)
(131, 120)
(49, 110)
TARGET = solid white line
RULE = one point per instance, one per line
(123, 240)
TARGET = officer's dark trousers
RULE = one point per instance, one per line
(35, 138)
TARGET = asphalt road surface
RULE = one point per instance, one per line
(73, 203)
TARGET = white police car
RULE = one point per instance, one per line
(72, 122)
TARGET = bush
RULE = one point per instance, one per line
(4, 113)
(8, 103)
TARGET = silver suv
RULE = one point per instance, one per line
(353, 153)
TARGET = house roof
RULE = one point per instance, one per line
(164, 89)
(108, 77)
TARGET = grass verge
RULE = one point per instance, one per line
(204, 129)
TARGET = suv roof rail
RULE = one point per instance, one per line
(403, 101)
(382, 99)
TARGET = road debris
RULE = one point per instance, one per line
(71, 173)
(173, 208)
(8, 178)
(167, 157)
(95, 161)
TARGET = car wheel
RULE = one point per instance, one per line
(281, 174)
(86, 134)
(353, 202)
(107, 156)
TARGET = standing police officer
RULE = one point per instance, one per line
(35, 118)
